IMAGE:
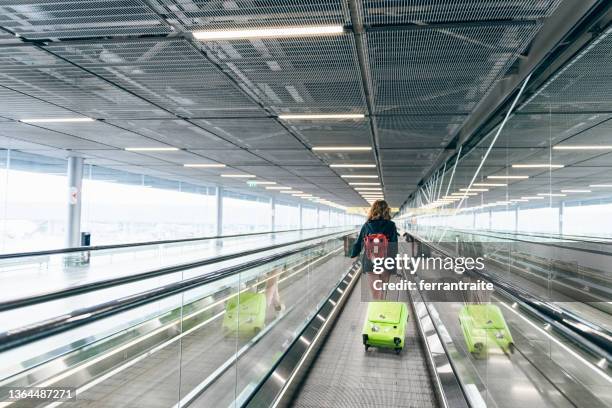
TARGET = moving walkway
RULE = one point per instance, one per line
(157, 339)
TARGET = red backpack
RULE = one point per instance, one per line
(376, 246)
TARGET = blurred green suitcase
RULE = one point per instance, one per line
(385, 325)
(245, 313)
(483, 325)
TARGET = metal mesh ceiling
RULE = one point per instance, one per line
(223, 14)
(172, 74)
(342, 133)
(376, 12)
(585, 84)
(318, 74)
(429, 70)
(253, 133)
(418, 130)
(51, 19)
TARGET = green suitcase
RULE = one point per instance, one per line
(385, 325)
(483, 325)
(245, 313)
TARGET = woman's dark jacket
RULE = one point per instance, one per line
(376, 227)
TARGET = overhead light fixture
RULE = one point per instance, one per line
(152, 149)
(575, 191)
(552, 195)
(318, 116)
(532, 198)
(462, 194)
(368, 188)
(278, 188)
(508, 177)
(238, 175)
(57, 120)
(370, 176)
(473, 189)
(537, 166)
(291, 191)
(490, 184)
(342, 148)
(302, 195)
(270, 32)
(519, 200)
(205, 165)
(262, 183)
(600, 185)
(583, 147)
(355, 166)
(364, 184)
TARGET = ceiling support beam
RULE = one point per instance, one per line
(366, 80)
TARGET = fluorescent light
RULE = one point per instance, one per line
(291, 191)
(364, 184)
(356, 166)
(552, 195)
(508, 177)
(537, 166)
(205, 165)
(473, 189)
(583, 147)
(519, 200)
(532, 198)
(358, 176)
(152, 149)
(490, 184)
(301, 195)
(368, 188)
(322, 116)
(278, 188)
(575, 191)
(56, 120)
(342, 148)
(261, 182)
(600, 185)
(271, 32)
(462, 194)
(238, 175)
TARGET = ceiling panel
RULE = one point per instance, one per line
(253, 133)
(37, 73)
(170, 73)
(206, 14)
(315, 74)
(16, 105)
(178, 133)
(34, 134)
(336, 133)
(446, 71)
(289, 157)
(416, 131)
(235, 157)
(54, 19)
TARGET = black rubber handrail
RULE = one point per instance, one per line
(37, 331)
(594, 339)
(145, 243)
(108, 283)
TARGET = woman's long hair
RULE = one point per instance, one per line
(379, 211)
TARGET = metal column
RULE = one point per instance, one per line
(219, 211)
(561, 208)
(75, 182)
(516, 218)
(301, 216)
(272, 213)
(318, 220)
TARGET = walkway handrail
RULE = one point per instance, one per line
(24, 335)
(108, 283)
(144, 243)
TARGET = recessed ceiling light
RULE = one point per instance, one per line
(364, 184)
(552, 195)
(271, 32)
(278, 188)
(322, 116)
(583, 147)
(508, 177)
(532, 198)
(266, 183)
(238, 175)
(490, 184)
(152, 149)
(356, 166)
(473, 189)
(537, 166)
(57, 120)
(600, 185)
(205, 165)
(342, 148)
(368, 188)
(575, 191)
(370, 176)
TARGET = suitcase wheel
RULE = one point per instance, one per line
(398, 351)
(366, 346)
(511, 348)
(397, 341)
(365, 340)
